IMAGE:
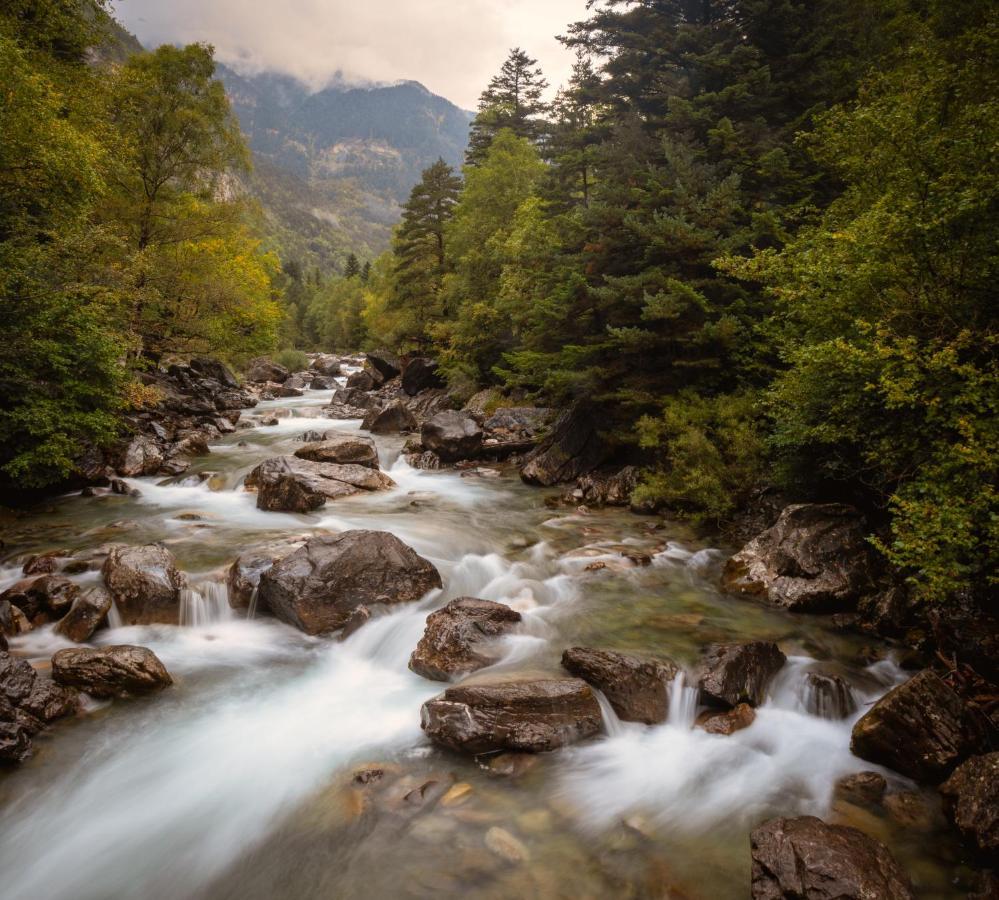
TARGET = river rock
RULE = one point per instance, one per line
(637, 689)
(528, 716)
(572, 448)
(921, 729)
(214, 370)
(862, 788)
(318, 586)
(86, 614)
(15, 742)
(362, 380)
(806, 858)
(971, 798)
(42, 599)
(727, 721)
(737, 673)
(452, 435)
(356, 398)
(384, 363)
(263, 369)
(420, 375)
(27, 704)
(341, 448)
(816, 558)
(141, 456)
(605, 487)
(120, 671)
(396, 418)
(326, 365)
(12, 621)
(145, 584)
(243, 576)
(457, 638)
(290, 484)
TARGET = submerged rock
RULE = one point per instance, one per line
(317, 587)
(573, 448)
(736, 673)
(86, 614)
(120, 671)
(921, 729)
(529, 716)
(291, 484)
(341, 448)
(971, 798)
(456, 638)
(806, 858)
(145, 584)
(637, 688)
(814, 559)
(452, 435)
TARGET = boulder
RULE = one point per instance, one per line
(288, 390)
(921, 729)
(971, 798)
(27, 704)
(15, 742)
(384, 363)
(42, 599)
(290, 484)
(421, 374)
(362, 380)
(862, 788)
(736, 673)
(342, 448)
(815, 558)
(262, 369)
(806, 858)
(322, 383)
(86, 614)
(572, 448)
(355, 397)
(517, 423)
(317, 587)
(120, 671)
(325, 365)
(452, 435)
(637, 689)
(728, 721)
(457, 638)
(396, 418)
(145, 584)
(42, 563)
(215, 371)
(527, 716)
(12, 621)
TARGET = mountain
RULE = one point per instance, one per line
(332, 167)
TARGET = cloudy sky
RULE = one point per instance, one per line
(452, 46)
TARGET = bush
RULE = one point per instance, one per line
(292, 360)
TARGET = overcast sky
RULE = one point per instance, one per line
(452, 46)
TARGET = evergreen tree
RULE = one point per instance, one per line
(366, 272)
(352, 268)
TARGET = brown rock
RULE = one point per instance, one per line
(637, 688)
(341, 448)
(739, 673)
(145, 584)
(290, 484)
(971, 798)
(572, 448)
(727, 722)
(396, 418)
(456, 638)
(120, 671)
(862, 788)
(42, 599)
(86, 614)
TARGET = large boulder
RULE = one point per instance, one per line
(342, 448)
(326, 365)
(396, 418)
(971, 798)
(452, 435)
(637, 688)
(921, 729)
(317, 587)
(87, 613)
(243, 576)
(420, 375)
(572, 448)
(527, 716)
(736, 673)
(145, 584)
(214, 370)
(356, 398)
(263, 369)
(42, 599)
(290, 484)
(457, 638)
(362, 380)
(141, 456)
(384, 363)
(816, 558)
(806, 858)
(121, 671)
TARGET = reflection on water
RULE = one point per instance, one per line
(237, 782)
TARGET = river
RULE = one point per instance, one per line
(237, 782)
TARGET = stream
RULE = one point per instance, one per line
(238, 782)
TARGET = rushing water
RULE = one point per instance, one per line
(236, 783)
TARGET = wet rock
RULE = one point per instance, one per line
(317, 587)
(637, 689)
(428, 461)
(341, 448)
(573, 448)
(971, 799)
(862, 788)
(384, 363)
(506, 846)
(12, 621)
(355, 621)
(814, 559)
(291, 484)
(145, 584)
(910, 810)
(105, 672)
(85, 616)
(806, 858)
(727, 722)
(42, 564)
(396, 418)
(528, 716)
(739, 673)
(457, 638)
(511, 765)
(827, 696)
(355, 397)
(27, 704)
(326, 365)
(322, 383)
(452, 435)
(421, 374)
(15, 743)
(42, 599)
(921, 729)
(262, 369)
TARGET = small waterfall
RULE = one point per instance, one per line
(206, 604)
(682, 703)
(114, 617)
(613, 726)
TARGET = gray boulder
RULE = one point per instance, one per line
(396, 418)
(452, 435)
(290, 484)
(345, 449)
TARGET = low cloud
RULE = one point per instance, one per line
(453, 48)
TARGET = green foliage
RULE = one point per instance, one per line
(292, 360)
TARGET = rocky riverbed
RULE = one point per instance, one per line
(390, 668)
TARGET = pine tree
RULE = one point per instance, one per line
(513, 100)
(366, 272)
(352, 267)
